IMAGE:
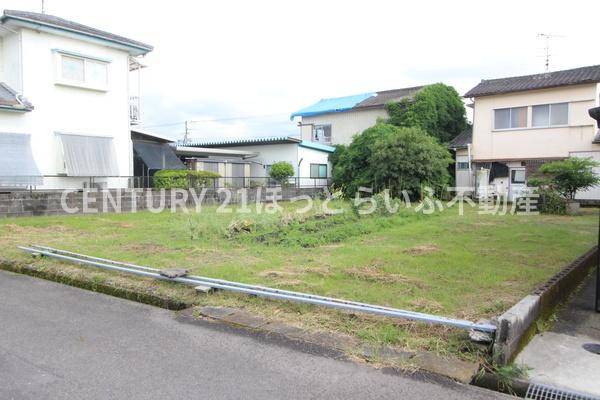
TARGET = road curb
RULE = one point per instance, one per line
(150, 298)
(458, 370)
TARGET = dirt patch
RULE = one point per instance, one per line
(373, 273)
(140, 247)
(421, 249)
(426, 305)
(320, 271)
(277, 274)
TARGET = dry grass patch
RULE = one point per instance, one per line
(421, 249)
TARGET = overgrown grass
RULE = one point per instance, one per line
(470, 266)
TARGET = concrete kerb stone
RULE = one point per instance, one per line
(518, 325)
(461, 371)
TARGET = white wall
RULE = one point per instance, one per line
(553, 142)
(66, 109)
(344, 125)
(308, 156)
(270, 154)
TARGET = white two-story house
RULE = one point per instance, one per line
(521, 122)
(337, 120)
(64, 103)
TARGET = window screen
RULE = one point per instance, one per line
(540, 115)
(559, 114)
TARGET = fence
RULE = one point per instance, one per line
(59, 182)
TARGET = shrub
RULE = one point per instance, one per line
(396, 158)
(281, 171)
(183, 179)
(570, 175)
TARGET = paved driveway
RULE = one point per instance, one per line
(61, 342)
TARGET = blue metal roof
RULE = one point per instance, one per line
(336, 104)
(317, 146)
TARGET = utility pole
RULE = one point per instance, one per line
(547, 55)
(185, 136)
(43, 9)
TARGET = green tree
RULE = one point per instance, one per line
(438, 109)
(281, 171)
(570, 175)
(396, 158)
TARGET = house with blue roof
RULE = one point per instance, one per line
(336, 120)
(247, 161)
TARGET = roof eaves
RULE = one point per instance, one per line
(130, 44)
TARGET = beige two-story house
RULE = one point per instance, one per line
(522, 122)
(337, 120)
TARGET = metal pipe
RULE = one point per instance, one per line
(276, 294)
(213, 280)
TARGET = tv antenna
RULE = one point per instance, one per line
(547, 37)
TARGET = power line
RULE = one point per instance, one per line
(199, 121)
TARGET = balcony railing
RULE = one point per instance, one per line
(134, 110)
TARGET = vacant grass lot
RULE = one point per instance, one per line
(470, 266)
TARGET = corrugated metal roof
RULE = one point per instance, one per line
(57, 22)
(574, 76)
(335, 104)
(239, 141)
(358, 101)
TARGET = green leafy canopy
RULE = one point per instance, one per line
(570, 175)
(438, 109)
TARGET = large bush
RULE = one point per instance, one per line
(281, 171)
(396, 158)
(570, 175)
(438, 109)
(183, 179)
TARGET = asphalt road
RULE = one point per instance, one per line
(59, 342)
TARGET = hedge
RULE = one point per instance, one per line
(183, 179)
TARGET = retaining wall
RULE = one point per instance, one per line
(24, 203)
(518, 325)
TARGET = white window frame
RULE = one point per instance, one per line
(550, 115)
(85, 84)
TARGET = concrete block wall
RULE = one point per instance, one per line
(24, 203)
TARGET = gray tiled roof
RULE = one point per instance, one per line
(539, 81)
(463, 139)
(387, 96)
(57, 22)
(9, 98)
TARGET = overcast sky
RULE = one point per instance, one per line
(265, 59)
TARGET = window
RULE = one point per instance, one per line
(462, 165)
(321, 133)
(72, 69)
(550, 115)
(83, 72)
(517, 176)
(510, 118)
(318, 170)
